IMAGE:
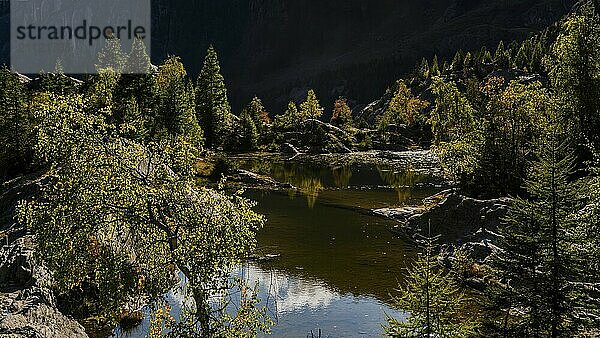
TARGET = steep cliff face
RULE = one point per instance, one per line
(276, 48)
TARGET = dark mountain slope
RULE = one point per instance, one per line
(276, 48)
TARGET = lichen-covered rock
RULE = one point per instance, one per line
(27, 304)
(462, 221)
(459, 217)
(400, 214)
(288, 149)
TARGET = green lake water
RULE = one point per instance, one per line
(331, 263)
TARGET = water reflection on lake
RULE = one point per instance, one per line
(312, 176)
(335, 262)
(300, 305)
(328, 262)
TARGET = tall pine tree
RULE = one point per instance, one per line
(311, 108)
(212, 105)
(436, 306)
(16, 125)
(176, 110)
(542, 259)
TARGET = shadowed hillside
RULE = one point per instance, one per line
(276, 49)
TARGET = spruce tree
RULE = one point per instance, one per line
(57, 82)
(311, 108)
(500, 57)
(138, 61)
(289, 118)
(424, 69)
(176, 110)
(16, 125)
(135, 87)
(457, 61)
(111, 57)
(520, 61)
(212, 105)
(258, 114)
(249, 132)
(542, 260)
(435, 67)
(468, 61)
(436, 306)
(486, 58)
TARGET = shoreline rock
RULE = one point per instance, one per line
(253, 180)
(462, 221)
(27, 304)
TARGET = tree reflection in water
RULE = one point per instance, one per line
(403, 181)
(310, 179)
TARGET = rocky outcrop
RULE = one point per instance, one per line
(288, 149)
(460, 217)
(462, 221)
(316, 137)
(27, 304)
(252, 180)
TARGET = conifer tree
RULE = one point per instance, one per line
(537, 54)
(424, 69)
(542, 258)
(436, 306)
(435, 67)
(446, 67)
(258, 114)
(136, 87)
(289, 118)
(176, 110)
(212, 104)
(457, 62)
(486, 58)
(138, 61)
(249, 132)
(311, 108)
(111, 57)
(16, 125)
(520, 61)
(500, 57)
(575, 75)
(468, 61)
(58, 82)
